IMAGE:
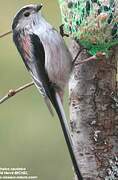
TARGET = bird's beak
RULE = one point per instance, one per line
(38, 7)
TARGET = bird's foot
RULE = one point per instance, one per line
(61, 29)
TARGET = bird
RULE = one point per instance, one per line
(48, 61)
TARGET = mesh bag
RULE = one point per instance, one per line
(94, 23)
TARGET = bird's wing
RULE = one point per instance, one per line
(39, 65)
(25, 49)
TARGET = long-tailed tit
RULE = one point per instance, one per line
(47, 59)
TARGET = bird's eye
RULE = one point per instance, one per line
(26, 14)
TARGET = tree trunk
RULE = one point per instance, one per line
(94, 115)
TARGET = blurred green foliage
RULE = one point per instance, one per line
(29, 136)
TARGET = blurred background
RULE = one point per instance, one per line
(29, 136)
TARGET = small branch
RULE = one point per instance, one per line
(98, 55)
(78, 53)
(86, 60)
(12, 92)
(5, 34)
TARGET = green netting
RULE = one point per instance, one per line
(94, 23)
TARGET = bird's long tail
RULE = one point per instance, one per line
(61, 114)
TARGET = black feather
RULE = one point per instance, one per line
(39, 63)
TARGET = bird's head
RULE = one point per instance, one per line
(26, 16)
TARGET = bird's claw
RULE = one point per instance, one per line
(61, 29)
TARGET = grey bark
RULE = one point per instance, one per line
(94, 116)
